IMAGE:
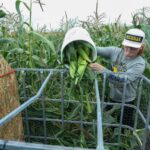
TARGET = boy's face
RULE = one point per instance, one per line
(131, 51)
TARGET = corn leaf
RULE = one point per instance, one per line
(44, 40)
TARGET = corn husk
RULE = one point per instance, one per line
(78, 55)
(9, 100)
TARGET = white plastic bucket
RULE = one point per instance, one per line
(78, 34)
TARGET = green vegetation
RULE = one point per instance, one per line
(24, 47)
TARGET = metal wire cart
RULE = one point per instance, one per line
(53, 119)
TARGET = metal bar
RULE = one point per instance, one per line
(146, 132)
(42, 137)
(103, 90)
(70, 101)
(81, 112)
(60, 121)
(12, 145)
(112, 144)
(26, 104)
(62, 98)
(26, 111)
(40, 69)
(100, 143)
(43, 109)
(138, 103)
(122, 110)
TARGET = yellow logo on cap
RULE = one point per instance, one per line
(115, 69)
(134, 38)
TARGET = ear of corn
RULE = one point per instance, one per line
(87, 51)
(82, 64)
(77, 55)
(84, 55)
(70, 53)
(73, 68)
(88, 104)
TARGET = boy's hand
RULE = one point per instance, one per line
(97, 67)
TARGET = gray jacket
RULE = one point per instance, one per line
(133, 68)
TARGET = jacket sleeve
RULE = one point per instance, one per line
(107, 52)
(132, 74)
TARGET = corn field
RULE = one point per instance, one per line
(25, 47)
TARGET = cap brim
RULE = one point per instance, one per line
(131, 44)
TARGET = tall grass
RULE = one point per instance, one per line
(24, 46)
